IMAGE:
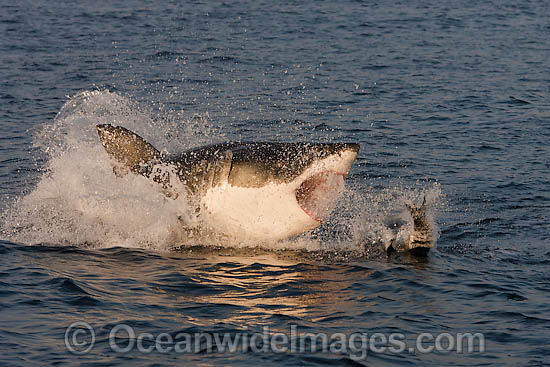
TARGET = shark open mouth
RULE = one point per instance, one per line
(318, 194)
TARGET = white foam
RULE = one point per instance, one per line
(79, 201)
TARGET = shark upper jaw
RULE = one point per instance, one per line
(322, 184)
(274, 210)
(278, 210)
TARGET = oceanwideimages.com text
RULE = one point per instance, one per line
(80, 339)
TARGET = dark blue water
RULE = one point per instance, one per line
(452, 100)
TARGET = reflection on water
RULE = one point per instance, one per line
(252, 287)
(453, 93)
(224, 290)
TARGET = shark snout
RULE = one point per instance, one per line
(354, 147)
(341, 149)
(344, 156)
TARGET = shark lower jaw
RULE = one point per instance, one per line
(318, 194)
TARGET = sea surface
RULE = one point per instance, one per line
(450, 100)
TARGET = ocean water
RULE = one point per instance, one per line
(449, 100)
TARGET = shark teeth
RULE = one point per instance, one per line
(317, 195)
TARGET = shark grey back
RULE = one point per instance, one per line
(254, 190)
(254, 164)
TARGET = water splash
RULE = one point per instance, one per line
(367, 220)
(79, 201)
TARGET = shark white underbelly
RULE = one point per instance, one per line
(256, 191)
(269, 213)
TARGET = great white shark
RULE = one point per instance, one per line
(255, 191)
(260, 191)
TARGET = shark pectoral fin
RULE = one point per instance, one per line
(128, 149)
(131, 153)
